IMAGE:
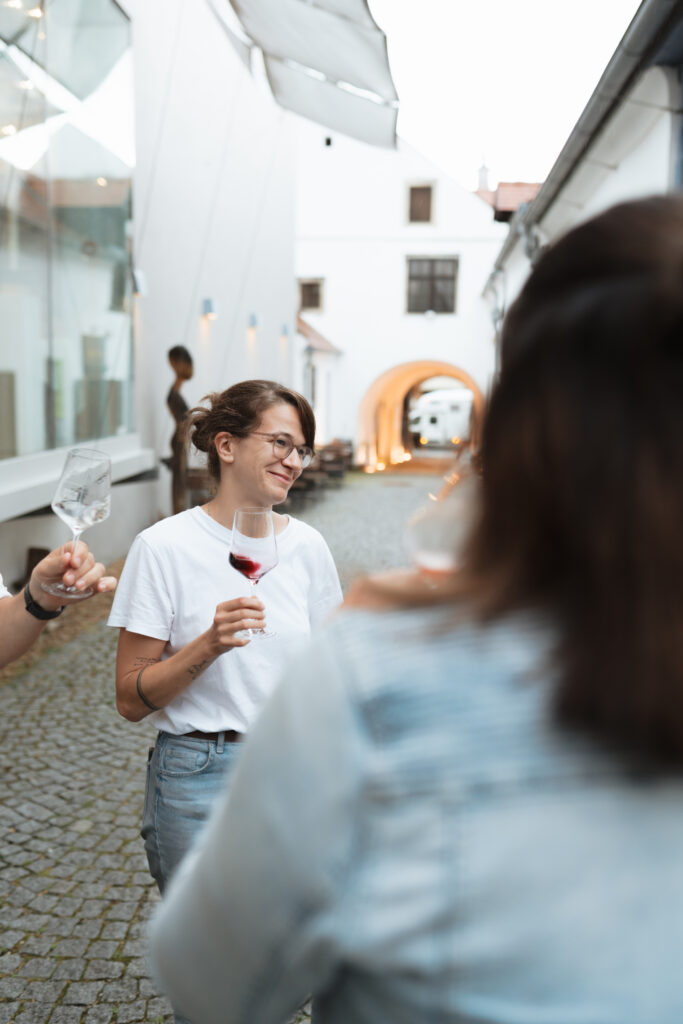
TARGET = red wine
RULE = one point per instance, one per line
(248, 567)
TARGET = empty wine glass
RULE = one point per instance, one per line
(434, 534)
(253, 552)
(82, 498)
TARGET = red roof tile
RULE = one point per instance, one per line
(511, 194)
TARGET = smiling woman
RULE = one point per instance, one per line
(181, 605)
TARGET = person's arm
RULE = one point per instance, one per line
(246, 930)
(399, 588)
(19, 629)
(145, 683)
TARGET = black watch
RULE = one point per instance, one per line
(35, 610)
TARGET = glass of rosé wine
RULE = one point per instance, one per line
(253, 552)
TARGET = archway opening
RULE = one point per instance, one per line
(385, 434)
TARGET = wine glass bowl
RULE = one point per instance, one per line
(252, 570)
(253, 553)
(82, 498)
(434, 534)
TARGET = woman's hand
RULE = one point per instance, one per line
(140, 667)
(231, 617)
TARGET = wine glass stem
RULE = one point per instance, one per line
(76, 538)
(252, 585)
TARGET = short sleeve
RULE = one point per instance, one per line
(4, 592)
(142, 603)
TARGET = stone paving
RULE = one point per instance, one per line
(75, 894)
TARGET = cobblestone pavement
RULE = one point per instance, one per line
(75, 894)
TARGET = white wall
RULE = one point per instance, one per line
(213, 218)
(353, 231)
(213, 212)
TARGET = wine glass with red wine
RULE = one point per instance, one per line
(253, 552)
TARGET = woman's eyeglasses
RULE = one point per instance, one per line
(283, 448)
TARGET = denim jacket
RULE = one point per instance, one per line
(410, 838)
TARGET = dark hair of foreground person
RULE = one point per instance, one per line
(581, 502)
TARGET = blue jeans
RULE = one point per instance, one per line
(185, 775)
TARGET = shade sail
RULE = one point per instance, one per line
(354, 10)
(326, 61)
(221, 11)
(330, 105)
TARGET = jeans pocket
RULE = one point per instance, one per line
(179, 758)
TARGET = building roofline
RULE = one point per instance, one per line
(637, 49)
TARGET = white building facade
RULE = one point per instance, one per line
(392, 256)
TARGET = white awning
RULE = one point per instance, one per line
(332, 105)
(327, 61)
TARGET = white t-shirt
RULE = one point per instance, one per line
(175, 575)
(4, 592)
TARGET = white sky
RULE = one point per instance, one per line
(499, 81)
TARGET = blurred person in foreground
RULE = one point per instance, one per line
(23, 617)
(466, 802)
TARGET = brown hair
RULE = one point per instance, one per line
(581, 503)
(179, 354)
(239, 410)
(582, 486)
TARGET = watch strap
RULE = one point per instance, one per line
(33, 608)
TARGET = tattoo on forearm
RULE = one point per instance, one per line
(194, 670)
(141, 662)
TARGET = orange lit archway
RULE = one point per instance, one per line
(380, 416)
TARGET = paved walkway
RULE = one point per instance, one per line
(75, 894)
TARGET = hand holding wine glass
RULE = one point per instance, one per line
(253, 553)
(435, 532)
(82, 498)
(76, 566)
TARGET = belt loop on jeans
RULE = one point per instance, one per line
(220, 740)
